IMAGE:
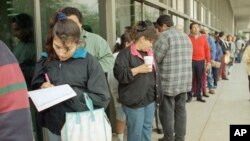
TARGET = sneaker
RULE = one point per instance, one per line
(201, 100)
(211, 91)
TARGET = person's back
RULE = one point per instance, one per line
(99, 48)
(94, 43)
(15, 118)
(177, 60)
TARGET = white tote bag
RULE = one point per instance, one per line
(92, 125)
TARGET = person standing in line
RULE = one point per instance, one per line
(126, 41)
(218, 56)
(200, 59)
(210, 83)
(15, 116)
(66, 62)
(226, 56)
(173, 52)
(231, 48)
(95, 44)
(139, 86)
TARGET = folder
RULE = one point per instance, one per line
(48, 97)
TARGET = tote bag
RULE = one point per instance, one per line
(91, 125)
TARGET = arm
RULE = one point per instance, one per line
(105, 56)
(212, 48)
(124, 72)
(97, 84)
(38, 77)
(207, 51)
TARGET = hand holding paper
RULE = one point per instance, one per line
(47, 97)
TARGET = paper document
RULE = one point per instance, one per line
(45, 98)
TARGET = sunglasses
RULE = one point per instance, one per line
(142, 26)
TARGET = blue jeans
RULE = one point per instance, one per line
(210, 80)
(139, 122)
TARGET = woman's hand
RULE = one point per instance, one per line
(145, 68)
(46, 85)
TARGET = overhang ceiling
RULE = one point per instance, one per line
(241, 10)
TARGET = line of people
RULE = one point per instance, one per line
(183, 66)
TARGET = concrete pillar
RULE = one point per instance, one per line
(110, 22)
(198, 10)
(37, 28)
(188, 12)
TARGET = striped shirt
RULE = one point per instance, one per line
(15, 117)
(173, 52)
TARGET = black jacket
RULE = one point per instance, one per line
(136, 91)
(83, 73)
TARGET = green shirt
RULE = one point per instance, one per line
(99, 48)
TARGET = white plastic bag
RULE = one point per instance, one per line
(91, 125)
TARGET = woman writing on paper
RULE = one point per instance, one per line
(65, 62)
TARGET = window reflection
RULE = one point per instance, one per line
(88, 8)
(24, 49)
(151, 13)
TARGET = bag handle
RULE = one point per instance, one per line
(90, 106)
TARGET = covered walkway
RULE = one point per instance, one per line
(230, 105)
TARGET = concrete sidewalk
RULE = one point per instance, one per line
(210, 121)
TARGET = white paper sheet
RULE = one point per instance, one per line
(45, 98)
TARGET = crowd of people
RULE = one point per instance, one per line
(182, 66)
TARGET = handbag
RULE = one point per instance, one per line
(215, 64)
(92, 125)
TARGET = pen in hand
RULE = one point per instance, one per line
(47, 83)
(47, 77)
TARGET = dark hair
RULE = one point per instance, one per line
(65, 29)
(73, 11)
(192, 24)
(221, 34)
(143, 28)
(125, 38)
(24, 23)
(165, 19)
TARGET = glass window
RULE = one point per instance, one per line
(8, 11)
(88, 8)
(180, 21)
(180, 6)
(195, 10)
(202, 14)
(209, 18)
(174, 4)
(174, 19)
(123, 15)
(17, 31)
(192, 8)
(137, 12)
(151, 13)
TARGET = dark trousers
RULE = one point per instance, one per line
(215, 72)
(198, 70)
(173, 117)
